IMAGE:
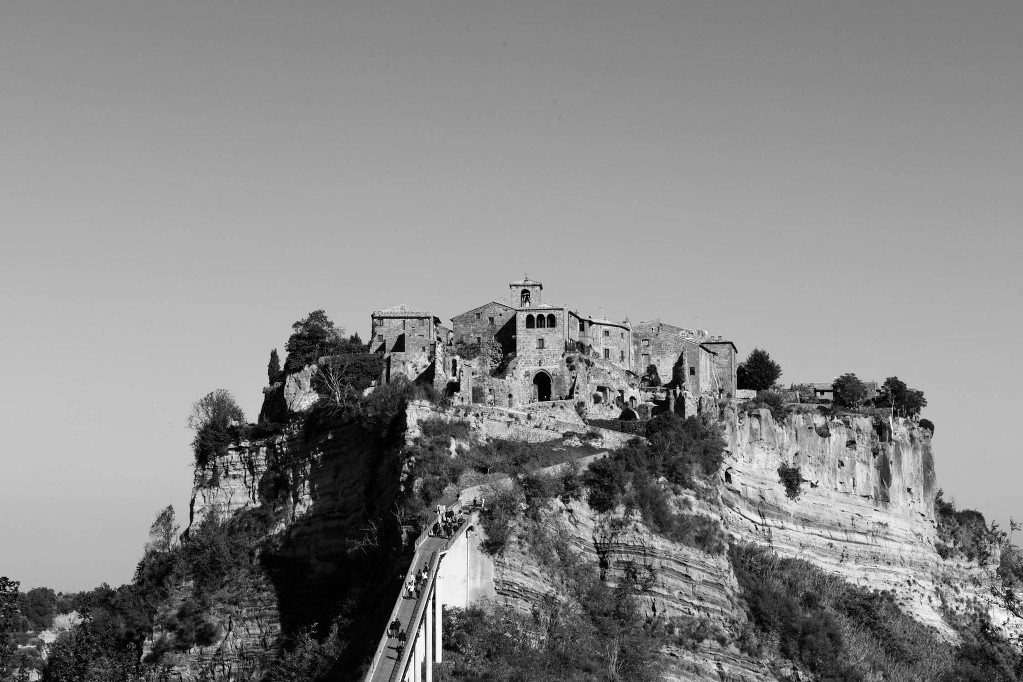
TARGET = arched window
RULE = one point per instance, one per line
(530, 322)
(524, 297)
(541, 321)
(551, 321)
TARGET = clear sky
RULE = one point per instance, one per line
(839, 183)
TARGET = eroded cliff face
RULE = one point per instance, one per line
(681, 584)
(321, 485)
(864, 510)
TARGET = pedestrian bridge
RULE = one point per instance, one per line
(457, 575)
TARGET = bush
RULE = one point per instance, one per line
(772, 400)
(964, 530)
(498, 519)
(791, 478)
(758, 372)
(927, 424)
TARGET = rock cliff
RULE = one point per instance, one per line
(865, 508)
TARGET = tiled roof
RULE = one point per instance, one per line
(400, 311)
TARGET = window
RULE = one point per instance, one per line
(403, 325)
(607, 333)
(478, 316)
(479, 340)
(541, 321)
(380, 337)
(646, 343)
(692, 371)
(551, 321)
(530, 322)
(539, 344)
(491, 321)
(582, 325)
(622, 359)
(607, 352)
(646, 361)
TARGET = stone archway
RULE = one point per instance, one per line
(542, 382)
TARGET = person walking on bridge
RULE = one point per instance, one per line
(394, 628)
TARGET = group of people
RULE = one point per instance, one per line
(394, 630)
(414, 584)
(448, 522)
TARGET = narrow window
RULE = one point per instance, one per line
(477, 316)
(530, 322)
(692, 371)
(479, 340)
(551, 321)
(541, 321)
(623, 357)
(607, 332)
(491, 321)
(607, 353)
(539, 344)
(582, 325)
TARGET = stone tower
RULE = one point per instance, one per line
(525, 293)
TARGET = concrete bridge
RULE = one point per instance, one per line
(456, 576)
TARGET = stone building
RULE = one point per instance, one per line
(526, 350)
(701, 363)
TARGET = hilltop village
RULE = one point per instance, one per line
(527, 351)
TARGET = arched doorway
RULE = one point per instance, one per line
(542, 381)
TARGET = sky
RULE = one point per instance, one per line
(838, 183)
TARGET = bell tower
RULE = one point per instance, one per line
(525, 293)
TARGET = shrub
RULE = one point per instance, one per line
(791, 478)
(498, 519)
(964, 530)
(772, 400)
(927, 424)
(758, 372)
(383, 410)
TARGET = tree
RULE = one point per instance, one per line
(312, 338)
(651, 377)
(163, 531)
(211, 418)
(895, 393)
(273, 368)
(758, 372)
(849, 391)
(9, 616)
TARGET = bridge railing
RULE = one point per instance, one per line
(381, 650)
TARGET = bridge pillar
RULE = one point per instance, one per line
(437, 641)
(428, 649)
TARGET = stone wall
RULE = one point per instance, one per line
(475, 326)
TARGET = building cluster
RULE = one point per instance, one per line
(527, 351)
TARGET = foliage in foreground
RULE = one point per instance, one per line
(837, 631)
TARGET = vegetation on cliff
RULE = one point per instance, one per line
(837, 631)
